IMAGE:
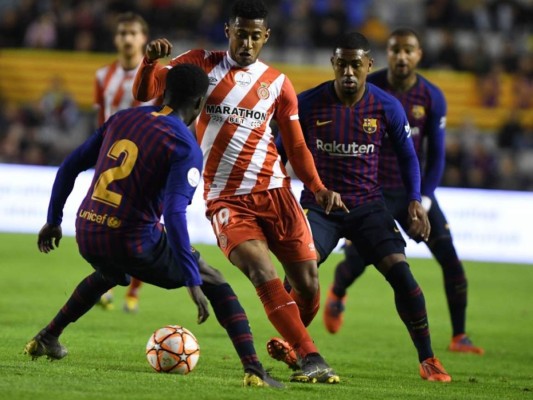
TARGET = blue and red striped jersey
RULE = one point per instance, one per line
(346, 142)
(147, 164)
(425, 107)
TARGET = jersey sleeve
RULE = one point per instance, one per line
(399, 132)
(81, 159)
(183, 178)
(150, 79)
(436, 131)
(291, 137)
(99, 101)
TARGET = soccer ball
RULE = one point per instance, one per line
(173, 349)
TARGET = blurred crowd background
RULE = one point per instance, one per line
(488, 39)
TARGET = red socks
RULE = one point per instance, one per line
(283, 313)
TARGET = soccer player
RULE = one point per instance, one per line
(113, 92)
(249, 201)
(147, 164)
(344, 122)
(425, 107)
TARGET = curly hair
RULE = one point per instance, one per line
(186, 83)
(352, 40)
(249, 9)
(406, 32)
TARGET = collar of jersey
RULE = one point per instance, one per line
(235, 64)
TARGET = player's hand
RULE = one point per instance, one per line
(49, 236)
(158, 48)
(201, 302)
(330, 200)
(419, 226)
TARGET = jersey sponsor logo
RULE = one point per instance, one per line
(193, 177)
(322, 123)
(243, 78)
(212, 81)
(263, 91)
(418, 111)
(370, 125)
(236, 115)
(344, 149)
(113, 222)
(101, 219)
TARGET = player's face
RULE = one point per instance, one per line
(403, 55)
(351, 67)
(246, 39)
(130, 39)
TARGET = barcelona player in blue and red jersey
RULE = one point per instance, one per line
(425, 106)
(345, 122)
(147, 165)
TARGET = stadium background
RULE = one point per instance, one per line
(70, 38)
(478, 51)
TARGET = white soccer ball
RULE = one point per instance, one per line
(173, 349)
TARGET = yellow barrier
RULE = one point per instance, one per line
(26, 74)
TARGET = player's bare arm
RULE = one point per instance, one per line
(49, 235)
(158, 48)
(419, 226)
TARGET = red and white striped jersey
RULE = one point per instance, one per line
(113, 91)
(233, 130)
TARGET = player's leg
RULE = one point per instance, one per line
(455, 283)
(131, 302)
(240, 236)
(346, 273)
(379, 240)
(84, 297)
(232, 317)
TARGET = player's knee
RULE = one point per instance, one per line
(304, 277)
(385, 264)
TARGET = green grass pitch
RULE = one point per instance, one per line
(372, 353)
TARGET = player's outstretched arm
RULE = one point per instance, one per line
(149, 80)
(200, 300)
(419, 226)
(158, 48)
(49, 235)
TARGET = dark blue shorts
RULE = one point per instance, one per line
(157, 267)
(397, 203)
(370, 227)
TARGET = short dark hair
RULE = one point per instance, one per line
(352, 40)
(249, 9)
(130, 17)
(186, 83)
(406, 32)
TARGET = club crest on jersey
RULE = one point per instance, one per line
(418, 111)
(370, 125)
(243, 78)
(263, 91)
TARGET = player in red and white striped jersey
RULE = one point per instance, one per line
(246, 187)
(113, 92)
(114, 82)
